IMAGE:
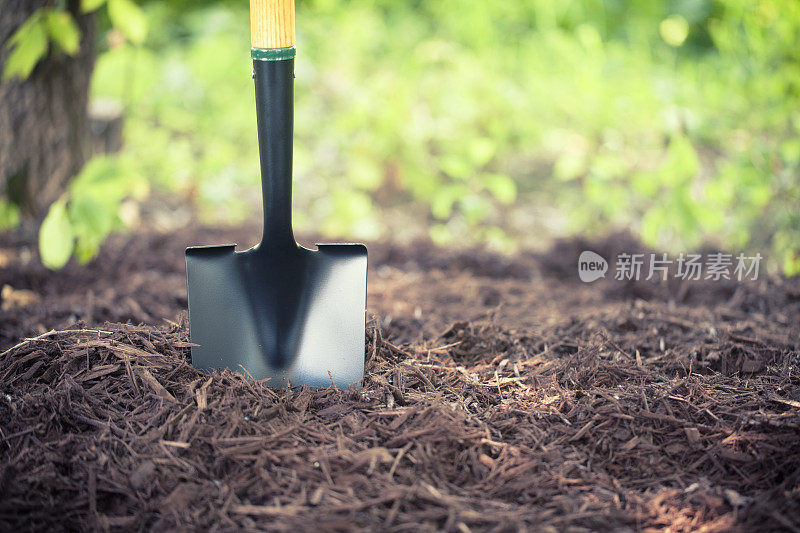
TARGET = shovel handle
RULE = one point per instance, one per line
(272, 24)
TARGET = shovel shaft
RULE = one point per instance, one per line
(274, 110)
(272, 38)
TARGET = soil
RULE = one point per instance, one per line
(501, 394)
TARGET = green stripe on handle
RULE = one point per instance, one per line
(273, 54)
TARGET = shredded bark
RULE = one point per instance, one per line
(539, 403)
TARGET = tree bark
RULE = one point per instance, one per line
(44, 125)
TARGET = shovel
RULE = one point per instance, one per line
(278, 310)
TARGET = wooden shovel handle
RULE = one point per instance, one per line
(272, 23)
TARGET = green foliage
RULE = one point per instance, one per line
(28, 45)
(674, 30)
(679, 119)
(56, 237)
(129, 18)
(729, 172)
(9, 215)
(63, 31)
(30, 42)
(87, 6)
(78, 223)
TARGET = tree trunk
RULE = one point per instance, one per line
(44, 127)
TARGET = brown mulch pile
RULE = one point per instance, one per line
(501, 394)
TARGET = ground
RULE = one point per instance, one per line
(501, 393)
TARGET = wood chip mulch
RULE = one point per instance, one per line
(107, 429)
(630, 415)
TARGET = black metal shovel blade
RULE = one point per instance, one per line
(290, 314)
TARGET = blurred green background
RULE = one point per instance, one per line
(502, 123)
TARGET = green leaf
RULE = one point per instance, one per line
(92, 218)
(681, 163)
(9, 215)
(26, 27)
(791, 263)
(365, 174)
(501, 186)
(87, 6)
(443, 199)
(569, 166)
(441, 235)
(351, 205)
(63, 31)
(674, 30)
(456, 166)
(645, 184)
(56, 237)
(475, 208)
(92, 222)
(30, 45)
(481, 151)
(653, 223)
(129, 18)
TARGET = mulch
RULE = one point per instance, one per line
(501, 394)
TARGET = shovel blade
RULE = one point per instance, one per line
(293, 316)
